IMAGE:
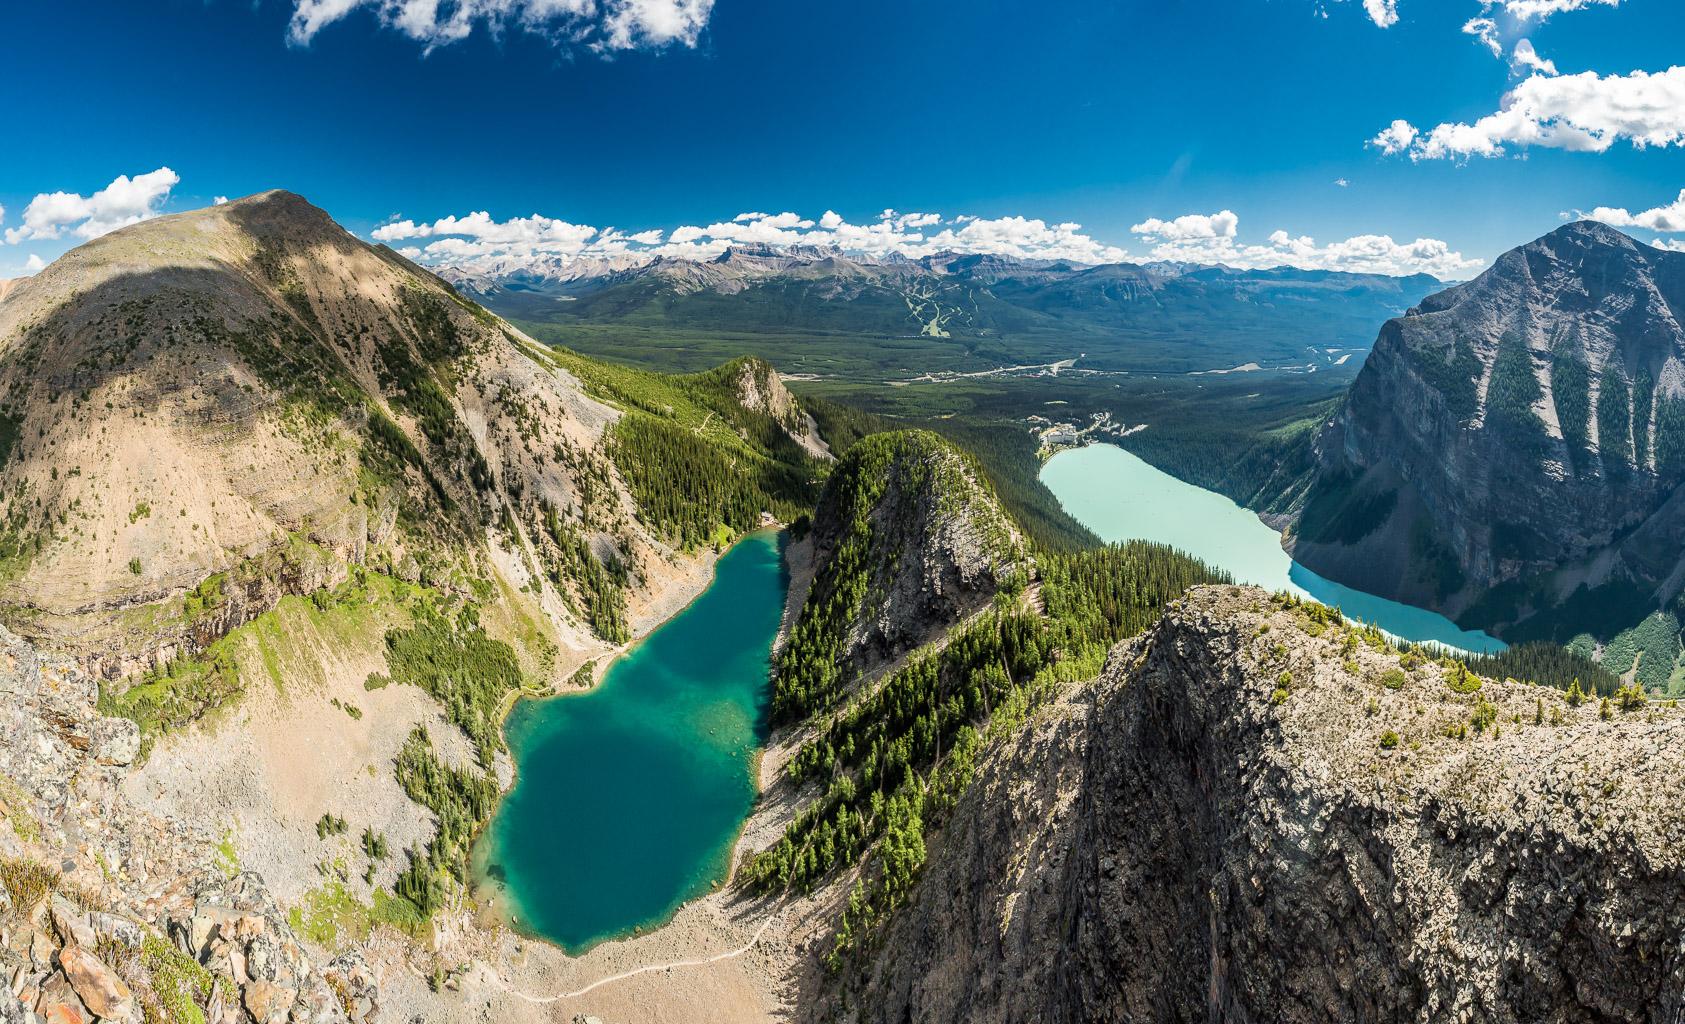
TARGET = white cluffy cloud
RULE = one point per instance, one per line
(1382, 12)
(1524, 56)
(1212, 238)
(1525, 10)
(1194, 225)
(1395, 138)
(476, 241)
(1663, 218)
(600, 25)
(123, 202)
(1586, 112)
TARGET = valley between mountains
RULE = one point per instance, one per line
(289, 525)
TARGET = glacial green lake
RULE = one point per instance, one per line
(629, 797)
(1121, 497)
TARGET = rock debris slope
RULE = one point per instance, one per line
(107, 912)
(1253, 815)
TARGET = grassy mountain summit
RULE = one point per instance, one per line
(249, 395)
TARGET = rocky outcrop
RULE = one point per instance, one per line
(109, 913)
(758, 389)
(1514, 438)
(1255, 815)
(935, 546)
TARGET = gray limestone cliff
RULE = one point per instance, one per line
(1515, 438)
(1255, 814)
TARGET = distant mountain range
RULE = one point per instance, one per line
(1156, 317)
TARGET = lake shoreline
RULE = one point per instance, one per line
(490, 887)
(1119, 496)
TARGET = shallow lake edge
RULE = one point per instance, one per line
(488, 895)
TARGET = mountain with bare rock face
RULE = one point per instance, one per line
(1259, 813)
(1513, 449)
(249, 395)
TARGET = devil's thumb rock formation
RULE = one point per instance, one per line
(1259, 814)
(908, 539)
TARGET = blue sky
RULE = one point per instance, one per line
(1237, 116)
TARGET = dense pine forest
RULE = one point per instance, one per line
(881, 489)
(694, 457)
(893, 764)
(1547, 664)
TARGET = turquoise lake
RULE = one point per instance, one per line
(629, 796)
(1121, 497)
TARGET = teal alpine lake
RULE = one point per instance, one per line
(1121, 497)
(629, 797)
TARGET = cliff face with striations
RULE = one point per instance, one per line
(1243, 821)
(1515, 438)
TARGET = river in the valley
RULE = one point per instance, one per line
(629, 797)
(1120, 497)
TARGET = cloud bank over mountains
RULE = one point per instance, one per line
(478, 243)
(1214, 238)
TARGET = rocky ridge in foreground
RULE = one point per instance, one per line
(1253, 815)
(108, 913)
